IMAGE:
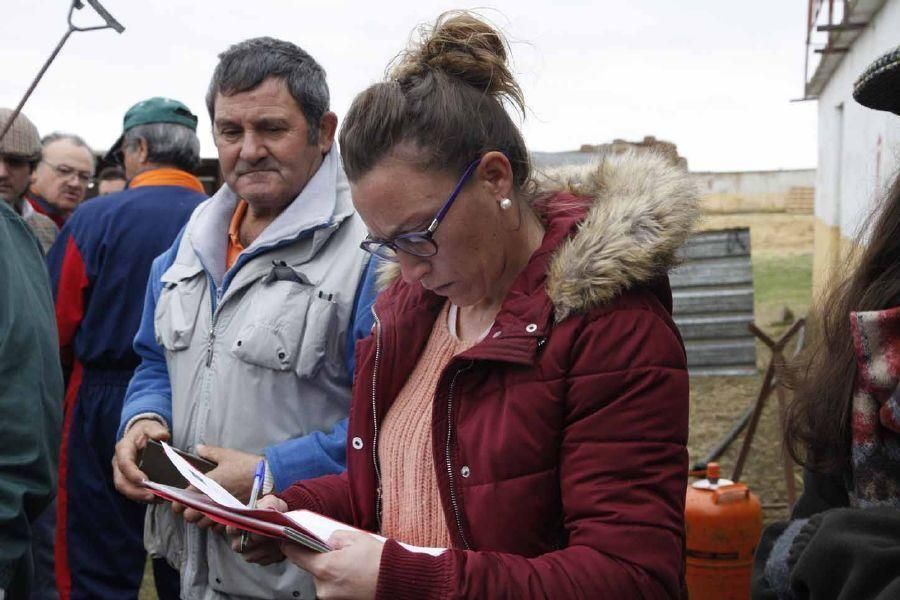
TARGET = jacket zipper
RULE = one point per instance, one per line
(453, 500)
(209, 345)
(212, 322)
(191, 540)
(375, 419)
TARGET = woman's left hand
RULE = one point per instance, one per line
(348, 572)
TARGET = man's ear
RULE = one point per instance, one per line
(143, 150)
(327, 129)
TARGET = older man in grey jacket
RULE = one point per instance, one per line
(250, 317)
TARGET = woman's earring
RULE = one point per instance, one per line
(505, 204)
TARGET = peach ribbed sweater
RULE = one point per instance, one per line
(412, 511)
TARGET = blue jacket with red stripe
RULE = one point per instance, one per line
(99, 266)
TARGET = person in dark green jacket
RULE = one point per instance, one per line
(843, 540)
(31, 393)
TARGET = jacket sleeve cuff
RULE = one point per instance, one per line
(802, 538)
(146, 415)
(298, 498)
(405, 575)
(308, 457)
(777, 569)
(143, 406)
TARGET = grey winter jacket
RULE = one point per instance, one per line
(255, 356)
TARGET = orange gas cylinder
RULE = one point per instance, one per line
(724, 522)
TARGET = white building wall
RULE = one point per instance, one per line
(753, 183)
(859, 148)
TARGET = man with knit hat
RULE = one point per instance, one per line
(31, 385)
(20, 151)
(99, 267)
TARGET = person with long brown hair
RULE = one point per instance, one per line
(523, 400)
(844, 424)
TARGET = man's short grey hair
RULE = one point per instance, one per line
(168, 144)
(58, 136)
(245, 65)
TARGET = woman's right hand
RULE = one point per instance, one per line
(255, 548)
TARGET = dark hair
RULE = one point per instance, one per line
(170, 144)
(110, 174)
(817, 428)
(246, 65)
(444, 98)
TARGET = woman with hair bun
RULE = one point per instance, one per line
(523, 400)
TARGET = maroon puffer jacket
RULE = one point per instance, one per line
(559, 440)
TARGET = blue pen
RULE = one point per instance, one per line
(254, 492)
(257, 482)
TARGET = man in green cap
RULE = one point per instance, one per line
(99, 267)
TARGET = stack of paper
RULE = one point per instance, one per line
(300, 526)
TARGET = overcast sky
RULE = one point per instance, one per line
(714, 77)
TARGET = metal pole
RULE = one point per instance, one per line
(34, 83)
(776, 362)
(111, 23)
(810, 23)
(754, 422)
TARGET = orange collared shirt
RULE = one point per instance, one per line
(234, 238)
(166, 176)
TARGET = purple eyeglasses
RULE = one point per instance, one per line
(417, 243)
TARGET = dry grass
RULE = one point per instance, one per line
(780, 233)
(148, 591)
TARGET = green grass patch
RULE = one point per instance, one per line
(781, 280)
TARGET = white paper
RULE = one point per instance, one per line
(322, 527)
(200, 481)
(316, 524)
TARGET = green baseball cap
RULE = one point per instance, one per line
(154, 110)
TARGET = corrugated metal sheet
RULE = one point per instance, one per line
(712, 291)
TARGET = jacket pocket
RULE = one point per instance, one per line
(291, 326)
(320, 335)
(178, 306)
(164, 535)
(276, 317)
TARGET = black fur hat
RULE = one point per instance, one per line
(879, 86)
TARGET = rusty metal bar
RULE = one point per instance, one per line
(845, 26)
(786, 460)
(34, 82)
(809, 26)
(776, 362)
(110, 23)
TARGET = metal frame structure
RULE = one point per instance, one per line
(109, 22)
(841, 22)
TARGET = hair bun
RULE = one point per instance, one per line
(462, 46)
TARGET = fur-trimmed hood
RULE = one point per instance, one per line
(641, 210)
